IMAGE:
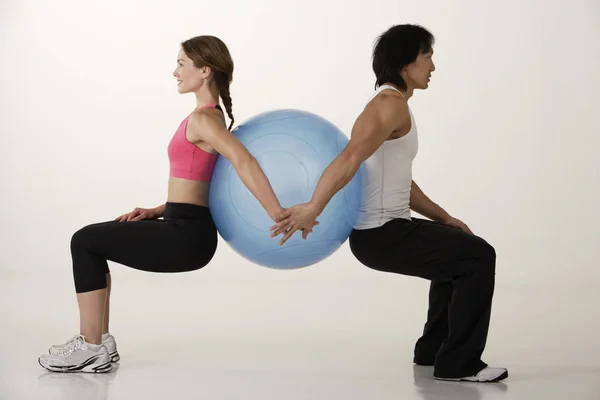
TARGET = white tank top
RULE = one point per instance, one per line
(388, 178)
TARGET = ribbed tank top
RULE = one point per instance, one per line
(389, 178)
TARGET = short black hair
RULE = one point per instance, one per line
(396, 48)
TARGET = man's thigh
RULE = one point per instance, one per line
(428, 249)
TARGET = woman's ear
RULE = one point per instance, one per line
(205, 71)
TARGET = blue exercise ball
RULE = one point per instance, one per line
(293, 148)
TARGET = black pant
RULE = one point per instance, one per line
(184, 240)
(461, 268)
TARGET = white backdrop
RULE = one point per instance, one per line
(508, 128)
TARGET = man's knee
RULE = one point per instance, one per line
(486, 255)
(488, 252)
(483, 253)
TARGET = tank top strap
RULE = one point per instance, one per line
(214, 105)
(383, 87)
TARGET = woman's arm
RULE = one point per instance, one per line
(160, 210)
(139, 214)
(211, 130)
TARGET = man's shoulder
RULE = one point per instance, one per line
(389, 105)
(389, 100)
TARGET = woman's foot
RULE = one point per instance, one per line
(111, 345)
(77, 355)
(107, 339)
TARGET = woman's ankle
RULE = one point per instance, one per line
(92, 338)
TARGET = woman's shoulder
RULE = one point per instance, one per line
(205, 121)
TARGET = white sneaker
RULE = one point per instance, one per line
(485, 375)
(78, 356)
(107, 339)
(111, 345)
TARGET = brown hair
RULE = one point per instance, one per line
(210, 51)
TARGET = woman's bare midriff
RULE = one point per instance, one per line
(186, 191)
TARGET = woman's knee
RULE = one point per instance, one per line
(83, 238)
(80, 238)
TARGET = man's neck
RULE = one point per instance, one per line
(407, 94)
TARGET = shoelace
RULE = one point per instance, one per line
(68, 342)
(76, 344)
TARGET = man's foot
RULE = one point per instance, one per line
(485, 375)
(107, 339)
(78, 356)
(423, 362)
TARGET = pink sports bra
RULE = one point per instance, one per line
(188, 161)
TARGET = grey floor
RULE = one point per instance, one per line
(218, 339)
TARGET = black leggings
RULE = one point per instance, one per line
(461, 268)
(184, 240)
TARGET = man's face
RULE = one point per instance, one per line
(418, 74)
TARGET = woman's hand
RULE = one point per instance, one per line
(301, 217)
(139, 214)
(279, 214)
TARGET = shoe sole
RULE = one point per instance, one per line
(91, 368)
(500, 377)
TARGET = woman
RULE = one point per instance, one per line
(186, 239)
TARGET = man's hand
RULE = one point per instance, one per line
(300, 217)
(457, 223)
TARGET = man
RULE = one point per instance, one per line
(442, 249)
